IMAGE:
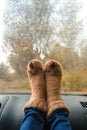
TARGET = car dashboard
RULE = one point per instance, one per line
(11, 110)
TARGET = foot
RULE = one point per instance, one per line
(37, 84)
(34, 67)
(53, 76)
(53, 68)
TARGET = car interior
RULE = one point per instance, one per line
(11, 110)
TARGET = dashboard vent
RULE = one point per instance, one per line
(84, 104)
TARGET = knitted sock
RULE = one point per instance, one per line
(37, 83)
(53, 76)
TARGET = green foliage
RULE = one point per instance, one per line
(15, 86)
(75, 80)
(84, 55)
(63, 55)
(4, 72)
(74, 77)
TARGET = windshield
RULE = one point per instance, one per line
(43, 29)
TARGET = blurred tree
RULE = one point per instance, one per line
(41, 24)
(30, 22)
(61, 54)
(70, 28)
(20, 57)
(4, 72)
(84, 55)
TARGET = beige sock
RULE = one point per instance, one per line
(53, 76)
(37, 83)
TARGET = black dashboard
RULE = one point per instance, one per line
(11, 113)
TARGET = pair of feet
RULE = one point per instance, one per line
(45, 82)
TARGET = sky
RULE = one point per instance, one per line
(3, 55)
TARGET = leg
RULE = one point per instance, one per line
(33, 120)
(58, 111)
(35, 109)
(58, 120)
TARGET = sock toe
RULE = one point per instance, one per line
(35, 67)
(53, 67)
